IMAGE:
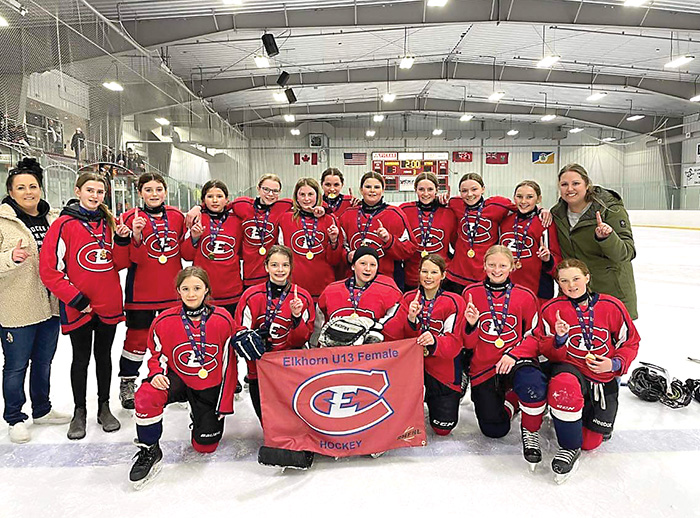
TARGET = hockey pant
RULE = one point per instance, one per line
(150, 402)
(138, 321)
(582, 410)
(443, 405)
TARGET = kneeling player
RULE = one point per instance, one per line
(190, 361)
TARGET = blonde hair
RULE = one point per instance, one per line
(270, 176)
(472, 176)
(499, 249)
(310, 182)
(529, 183)
(581, 171)
(426, 176)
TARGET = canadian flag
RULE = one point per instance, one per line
(305, 158)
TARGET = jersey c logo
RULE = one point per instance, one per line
(223, 249)
(170, 248)
(483, 231)
(527, 245)
(299, 245)
(252, 234)
(371, 239)
(95, 259)
(186, 361)
(434, 244)
(343, 402)
(576, 347)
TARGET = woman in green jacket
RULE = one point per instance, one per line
(594, 227)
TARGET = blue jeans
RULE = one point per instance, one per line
(20, 345)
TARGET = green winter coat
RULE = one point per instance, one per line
(609, 260)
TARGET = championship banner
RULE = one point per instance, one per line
(343, 401)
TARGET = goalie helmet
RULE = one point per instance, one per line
(341, 331)
(653, 383)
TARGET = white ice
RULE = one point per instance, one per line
(649, 468)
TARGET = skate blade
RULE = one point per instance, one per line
(532, 466)
(560, 478)
(237, 397)
(140, 484)
(376, 455)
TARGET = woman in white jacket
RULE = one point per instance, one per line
(29, 321)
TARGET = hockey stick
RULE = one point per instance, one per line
(696, 360)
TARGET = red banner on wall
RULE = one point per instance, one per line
(343, 401)
(462, 156)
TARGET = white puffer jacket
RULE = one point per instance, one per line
(24, 300)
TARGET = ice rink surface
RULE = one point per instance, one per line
(649, 468)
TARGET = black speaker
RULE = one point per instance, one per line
(283, 79)
(268, 41)
(290, 96)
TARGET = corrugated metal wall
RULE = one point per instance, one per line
(690, 196)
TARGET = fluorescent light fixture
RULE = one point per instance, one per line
(596, 96)
(370, 133)
(289, 117)
(162, 121)
(679, 61)
(280, 97)
(5, 23)
(407, 62)
(633, 118)
(388, 97)
(695, 99)
(262, 62)
(575, 130)
(295, 132)
(378, 118)
(548, 61)
(466, 117)
(496, 96)
(437, 131)
(609, 139)
(113, 85)
(513, 132)
(635, 3)
(437, 3)
(548, 117)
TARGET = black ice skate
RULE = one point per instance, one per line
(531, 448)
(146, 466)
(127, 387)
(565, 464)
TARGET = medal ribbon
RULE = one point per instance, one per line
(355, 298)
(520, 243)
(425, 229)
(197, 348)
(262, 229)
(310, 236)
(586, 330)
(271, 313)
(215, 226)
(427, 310)
(161, 240)
(100, 240)
(363, 232)
(498, 324)
(471, 233)
(333, 203)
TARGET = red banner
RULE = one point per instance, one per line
(462, 156)
(497, 158)
(343, 401)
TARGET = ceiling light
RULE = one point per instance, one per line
(633, 118)
(575, 130)
(513, 132)
(596, 96)
(407, 62)
(436, 3)
(496, 96)
(289, 117)
(609, 139)
(679, 61)
(280, 97)
(548, 117)
(113, 85)
(162, 121)
(547, 61)
(388, 97)
(262, 62)
(378, 118)
(466, 117)
(295, 132)
(370, 133)
(635, 3)
(5, 23)
(437, 131)
(694, 99)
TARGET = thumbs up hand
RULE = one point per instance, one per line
(560, 326)
(19, 254)
(383, 233)
(414, 308)
(602, 229)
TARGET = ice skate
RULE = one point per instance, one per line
(239, 390)
(146, 466)
(531, 448)
(565, 464)
(127, 387)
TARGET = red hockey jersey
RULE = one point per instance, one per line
(220, 257)
(614, 335)
(401, 245)
(150, 284)
(74, 267)
(434, 237)
(316, 273)
(283, 333)
(463, 269)
(525, 235)
(259, 224)
(447, 327)
(381, 300)
(519, 323)
(171, 349)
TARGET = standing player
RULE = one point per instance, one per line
(593, 341)
(282, 313)
(158, 231)
(314, 241)
(436, 319)
(336, 202)
(535, 248)
(433, 226)
(191, 360)
(79, 261)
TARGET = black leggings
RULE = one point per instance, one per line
(82, 341)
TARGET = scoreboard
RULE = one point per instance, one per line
(400, 169)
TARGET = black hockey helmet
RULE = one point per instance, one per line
(653, 383)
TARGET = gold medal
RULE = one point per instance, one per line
(103, 254)
(590, 357)
(332, 195)
(202, 373)
(309, 255)
(210, 255)
(518, 264)
(471, 253)
(425, 351)
(162, 259)
(424, 253)
(354, 315)
(499, 342)
(262, 250)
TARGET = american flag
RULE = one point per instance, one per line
(355, 158)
